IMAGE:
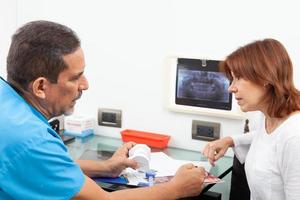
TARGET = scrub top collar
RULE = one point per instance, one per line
(35, 111)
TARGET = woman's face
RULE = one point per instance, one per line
(247, 94)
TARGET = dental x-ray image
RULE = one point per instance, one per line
(203, 85)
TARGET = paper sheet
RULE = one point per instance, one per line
(163, 165)
(167, 166)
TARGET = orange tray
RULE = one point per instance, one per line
(141, 137)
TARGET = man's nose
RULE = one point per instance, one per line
(84, 84)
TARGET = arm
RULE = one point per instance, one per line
(216, 149)
(242, 144)
(187, 182)
(111, 167)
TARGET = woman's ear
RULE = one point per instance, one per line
(39, 86)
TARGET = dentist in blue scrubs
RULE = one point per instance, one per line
(45, 78)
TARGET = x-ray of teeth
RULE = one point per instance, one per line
(202, 85)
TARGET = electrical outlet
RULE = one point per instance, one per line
(208, 131)
(109, 117)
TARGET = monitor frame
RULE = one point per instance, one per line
(206, 68)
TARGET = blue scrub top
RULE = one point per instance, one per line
(34, 162)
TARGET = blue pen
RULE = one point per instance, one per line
(150, 176)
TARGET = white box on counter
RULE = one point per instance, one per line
(80, 126)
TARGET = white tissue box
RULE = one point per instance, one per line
(80, 126)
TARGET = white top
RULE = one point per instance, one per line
(272, 163)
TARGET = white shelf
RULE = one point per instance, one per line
(238, 115)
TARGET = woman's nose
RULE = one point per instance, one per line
(232, 88)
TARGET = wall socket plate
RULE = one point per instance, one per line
(208, 131)
(110, 117)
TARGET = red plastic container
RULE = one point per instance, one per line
(141, 137)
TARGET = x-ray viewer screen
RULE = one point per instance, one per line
(202, 86)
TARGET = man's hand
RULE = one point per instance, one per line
(111, 167)
(188, 180)
(216, 149)
(119, 161)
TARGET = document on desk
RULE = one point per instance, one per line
(164, 166)
(167, 166)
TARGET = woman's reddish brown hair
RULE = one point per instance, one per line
(266, 63)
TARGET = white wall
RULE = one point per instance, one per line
(126, 42)
(8, 20)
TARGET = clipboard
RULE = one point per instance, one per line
(118, 180)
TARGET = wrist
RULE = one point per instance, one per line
(173, 190)
(101, 168)
(93, 168)
(229, 141)
(107, 168)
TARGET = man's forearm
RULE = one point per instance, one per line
(94, 168)
(165, 191)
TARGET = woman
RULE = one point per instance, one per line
(262, 80)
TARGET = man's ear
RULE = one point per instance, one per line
(39, 86)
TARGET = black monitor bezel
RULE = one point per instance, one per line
(200, 65)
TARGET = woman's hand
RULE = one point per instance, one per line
(216, 149)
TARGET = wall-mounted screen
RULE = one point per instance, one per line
(200, 83)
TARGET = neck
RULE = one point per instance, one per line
(272, 123)
(31, 99)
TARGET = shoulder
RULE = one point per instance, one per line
(22, 128)
(28, 142)
(21, 125)
(291, 126)
(38, 161)
(288, 135)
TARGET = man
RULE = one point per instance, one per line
(45, 67)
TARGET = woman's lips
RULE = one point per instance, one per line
(238, 100)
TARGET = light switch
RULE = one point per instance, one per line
(208, 131)
(109, 117)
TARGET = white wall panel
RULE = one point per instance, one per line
(126, 42)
